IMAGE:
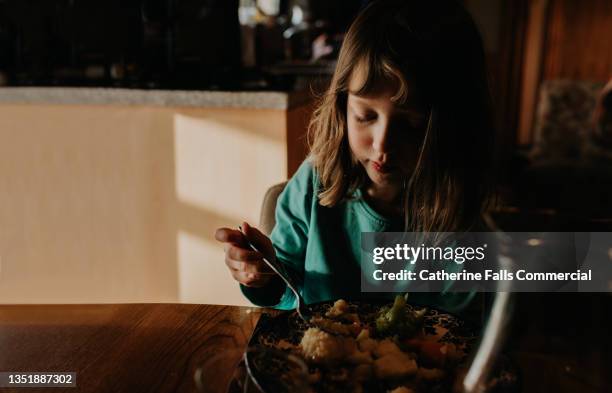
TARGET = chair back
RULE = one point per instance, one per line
(267, 219)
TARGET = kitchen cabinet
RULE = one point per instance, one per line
(112, 196)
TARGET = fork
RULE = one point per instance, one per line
(302, 309)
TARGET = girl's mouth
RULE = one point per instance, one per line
(381, 168)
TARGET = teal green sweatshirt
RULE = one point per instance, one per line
(320, 246)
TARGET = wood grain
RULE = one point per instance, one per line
(560, 343)
(121, 348)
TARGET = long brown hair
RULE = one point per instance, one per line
(435, 47)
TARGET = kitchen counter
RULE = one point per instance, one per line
(165, 98)
(127, 187)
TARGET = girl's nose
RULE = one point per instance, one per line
(380, 140)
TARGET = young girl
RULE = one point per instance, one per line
(400, 141)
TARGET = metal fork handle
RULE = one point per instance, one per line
(301, 305)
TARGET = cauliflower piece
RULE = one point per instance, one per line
(339, 308)
(322, 347)
(335, 326)
(395, 365)
(318, 345)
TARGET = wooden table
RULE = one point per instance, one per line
(157, 347)
(120, 348)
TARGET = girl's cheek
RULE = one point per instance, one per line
(359, 141)
(353, 144)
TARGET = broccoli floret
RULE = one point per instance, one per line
(398, 319)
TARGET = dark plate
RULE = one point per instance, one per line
(284, 332)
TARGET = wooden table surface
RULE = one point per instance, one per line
(157, 347)
(120, 348)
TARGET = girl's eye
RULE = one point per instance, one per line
(365, 119)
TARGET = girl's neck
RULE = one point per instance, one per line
(386, 200)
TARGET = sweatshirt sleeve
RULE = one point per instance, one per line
(290, 238)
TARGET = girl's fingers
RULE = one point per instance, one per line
(261, 241)
(246, 265)
(249, 279)
(228, 235)
(241, 254)
(254, 267)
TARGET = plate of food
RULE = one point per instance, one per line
(360, 347)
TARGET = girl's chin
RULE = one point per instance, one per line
(388, 178)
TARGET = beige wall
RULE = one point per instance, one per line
(119, 204)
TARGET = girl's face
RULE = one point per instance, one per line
(384, 137)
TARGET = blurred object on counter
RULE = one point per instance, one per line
(246, 16)
(321, 47)
(293, 43)
(269, 7)
(301, 32)
(262, 32)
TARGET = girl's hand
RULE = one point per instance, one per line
(247, 266)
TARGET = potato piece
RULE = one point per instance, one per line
(395, 365)
(385, 347)
(365, 343)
